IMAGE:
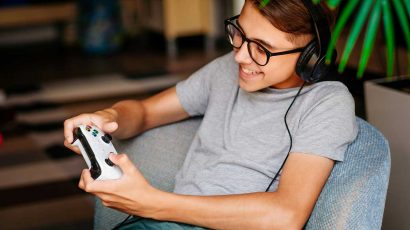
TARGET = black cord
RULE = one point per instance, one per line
(290, 136)
(122, 223)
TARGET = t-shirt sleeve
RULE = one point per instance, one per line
(194, 92)
(328, 127)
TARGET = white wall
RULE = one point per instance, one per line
(389, 111)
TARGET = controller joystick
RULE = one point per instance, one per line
(106, 138)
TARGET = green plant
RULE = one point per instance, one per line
(373, 11)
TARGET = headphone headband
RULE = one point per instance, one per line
(321, 25)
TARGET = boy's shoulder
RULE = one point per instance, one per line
(328, 88)
(329, 96)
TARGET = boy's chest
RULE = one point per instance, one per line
(246, 127)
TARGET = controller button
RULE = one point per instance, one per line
(106, 139)
(108, 136)
(95, 132)
(109, 162)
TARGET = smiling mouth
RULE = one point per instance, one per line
(248, 73)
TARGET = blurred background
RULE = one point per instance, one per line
(60, 58)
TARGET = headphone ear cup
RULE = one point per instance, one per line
(322, 69)
(307, 61)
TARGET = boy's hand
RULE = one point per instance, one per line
(131, 193)
(106, 120)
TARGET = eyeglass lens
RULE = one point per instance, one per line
(256, 52)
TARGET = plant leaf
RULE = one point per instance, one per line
(407, 5)
(405, 26)
(316, 1)
(389, 33)
(333, 3)
(340, 24)
(355, 32)
(263, 3)
(370, 38)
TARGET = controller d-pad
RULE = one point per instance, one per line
(109, 162)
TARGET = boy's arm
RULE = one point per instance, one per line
(302, 180)
(128, 118)
(134, 117)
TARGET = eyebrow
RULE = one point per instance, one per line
(264, 43)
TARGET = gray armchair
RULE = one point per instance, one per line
(353, 197)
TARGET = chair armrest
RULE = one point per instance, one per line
(355, 193)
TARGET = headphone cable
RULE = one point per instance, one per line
(290, 136)
(122, 223)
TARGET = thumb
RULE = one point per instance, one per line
(110, 127)
(123, 161)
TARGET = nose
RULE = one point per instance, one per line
(242, 55)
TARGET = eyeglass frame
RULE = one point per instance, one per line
(230, 21)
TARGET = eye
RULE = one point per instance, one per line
(260, 50)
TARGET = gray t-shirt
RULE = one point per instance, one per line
(242, 140)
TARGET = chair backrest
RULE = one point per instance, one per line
(355, 193)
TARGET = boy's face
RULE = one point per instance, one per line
(280, 71)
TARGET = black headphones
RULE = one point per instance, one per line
(311, 66)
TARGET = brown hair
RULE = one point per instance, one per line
(291, 16)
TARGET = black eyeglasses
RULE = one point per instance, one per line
(259, 54)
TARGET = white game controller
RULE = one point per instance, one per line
(95, 147)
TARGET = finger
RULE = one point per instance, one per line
(106, 204)
(96, 187)
(110, 127)
(72, 147)
(97, 120)
(68, 131)
(123, 161)
(74, 122)
(108, 121)
(87, 182)
(81, 183)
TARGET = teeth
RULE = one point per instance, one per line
(248, 71)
